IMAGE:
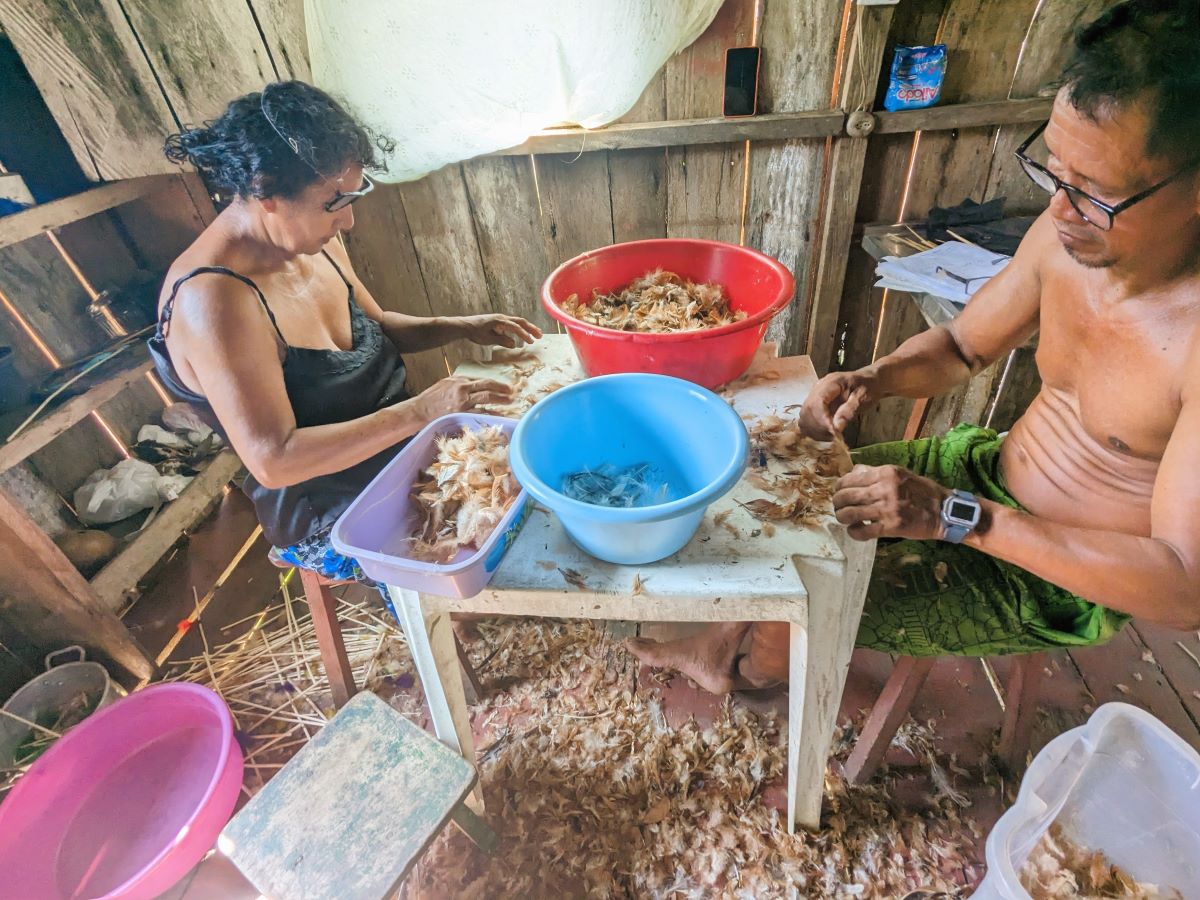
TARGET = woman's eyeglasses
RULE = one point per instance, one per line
(1093, 210)
(342, 199)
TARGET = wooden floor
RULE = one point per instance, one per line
(1146, 665)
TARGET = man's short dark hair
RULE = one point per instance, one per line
(1143, 50)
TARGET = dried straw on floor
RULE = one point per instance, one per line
(591, 791)
(594, 794)
(269, 673)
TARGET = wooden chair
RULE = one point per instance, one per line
(352, 812)
(322, 603)
(896, 698)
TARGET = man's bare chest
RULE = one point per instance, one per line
(1120, 367)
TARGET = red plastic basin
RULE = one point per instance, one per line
(753, 282)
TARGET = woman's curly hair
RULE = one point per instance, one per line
(277, 142)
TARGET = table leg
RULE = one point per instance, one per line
(819, 661)
(804, 786)
(431, 643)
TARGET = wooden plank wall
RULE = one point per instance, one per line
(110, 249)
(481, 235)
(523, 216)
(1009, 50)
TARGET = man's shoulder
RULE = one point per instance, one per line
(1040, 243)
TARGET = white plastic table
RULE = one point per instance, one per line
(814, 578)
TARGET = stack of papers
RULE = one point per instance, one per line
(952, 270)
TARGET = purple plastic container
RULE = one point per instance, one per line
(376, 528)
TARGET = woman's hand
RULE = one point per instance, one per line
(459, 394)
(832, 405)
(496, 330)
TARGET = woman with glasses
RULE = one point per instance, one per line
(266, 329)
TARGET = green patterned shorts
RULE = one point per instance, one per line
(933, 598)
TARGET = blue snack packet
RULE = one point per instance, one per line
(916, 80)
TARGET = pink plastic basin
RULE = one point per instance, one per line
(126, 802)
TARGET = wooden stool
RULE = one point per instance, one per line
(350, 814)
(896, 698)
(322, 604)
(318, 590)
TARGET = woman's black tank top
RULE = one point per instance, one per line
(323, 387)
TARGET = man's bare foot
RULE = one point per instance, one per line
(745, 678)
(708, 658)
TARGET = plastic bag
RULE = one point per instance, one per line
(162, 436)
(916, 80)
(110, 495)
(183, 418)
(171, 486)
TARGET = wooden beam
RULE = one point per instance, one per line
(44, 597)
(863, 61)
(442, 226)
(123, 572)
(55, 423)
(775, 126)
(508, 227)
(637, 179)
(965, 115)
(681, 133)
(47, 216)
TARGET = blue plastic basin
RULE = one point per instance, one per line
(692, 436)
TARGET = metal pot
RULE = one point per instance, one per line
(67, 678)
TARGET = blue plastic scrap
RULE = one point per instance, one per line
(637, 485)
(916, 80)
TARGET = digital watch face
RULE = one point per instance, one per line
(962, 511)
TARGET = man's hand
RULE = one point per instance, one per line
(496, 330)
(888, 501)
(832, 405)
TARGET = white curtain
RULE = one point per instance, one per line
(451, 79)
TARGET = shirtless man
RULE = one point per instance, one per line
(1094, 494)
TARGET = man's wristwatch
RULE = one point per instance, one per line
(960, 515)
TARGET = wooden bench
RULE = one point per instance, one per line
(910, 672)
(353, 811)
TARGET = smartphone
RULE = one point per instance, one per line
(741, 81)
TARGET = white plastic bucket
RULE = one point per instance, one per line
(1124, 784)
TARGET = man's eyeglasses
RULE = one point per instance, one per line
(1094, 211)
(342, 199)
